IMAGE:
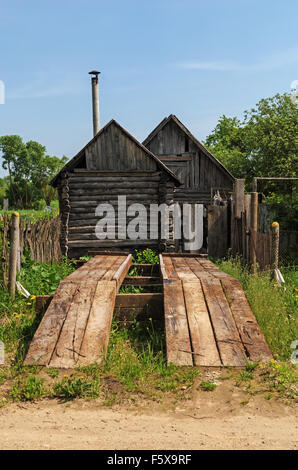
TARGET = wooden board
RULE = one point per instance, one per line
(226, 334)
(179, 350)
(76, 326)
(222, 329)
(201, 332)
(97, 334)
(249, 330)
(47, 334)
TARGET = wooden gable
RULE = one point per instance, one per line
(113, 149)
(186, 157)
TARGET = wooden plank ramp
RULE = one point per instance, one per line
(208, 319)
(76, 327)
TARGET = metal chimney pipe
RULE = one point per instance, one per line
(95, 100)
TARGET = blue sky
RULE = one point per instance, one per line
(197, 59)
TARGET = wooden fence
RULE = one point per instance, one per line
(41, 238)
(244, 226)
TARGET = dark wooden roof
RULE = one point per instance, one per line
(174, 118)
(74, 162)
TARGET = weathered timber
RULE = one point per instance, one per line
(177, 335)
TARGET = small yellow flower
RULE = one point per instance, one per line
(33, 297)
(66, 376)
(150, 319)
(15, 313)
(29, 303)
(283, 307)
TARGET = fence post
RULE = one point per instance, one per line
(254, 231)
(275, 247)
(13, 256)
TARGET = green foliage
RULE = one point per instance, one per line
(76, 387)
(207, 386)
(146, 256)
(31, 389)
(44, 278)
(264, 143)
(30, 170)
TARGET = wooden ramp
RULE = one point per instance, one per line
(76, 327)
(207, 317)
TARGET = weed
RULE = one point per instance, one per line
(207, 386)
(76, 387)
(31, 389)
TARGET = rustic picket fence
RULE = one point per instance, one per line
(41, 238)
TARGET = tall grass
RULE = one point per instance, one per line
(275, 307)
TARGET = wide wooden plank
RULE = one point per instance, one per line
(96, 338)
(201, 332)
(226, 334)
(198, 269)
(183, 270)
(47, 334)
(68, 347)
(249, 330)
(177, 334)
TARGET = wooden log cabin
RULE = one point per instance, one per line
(112, 164)
(199, 171)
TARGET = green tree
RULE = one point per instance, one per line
(264, 143)
(30, 170)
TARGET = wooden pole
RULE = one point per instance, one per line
(275, 247)
(13, 256)
(4, 251)
(239, 186)
(253, 231)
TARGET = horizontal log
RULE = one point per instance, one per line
(137, 300)
(92, 236)
(116, 185)
(112, 174)
(111, 243)
(142, 281)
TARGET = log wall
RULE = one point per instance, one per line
(82, 191)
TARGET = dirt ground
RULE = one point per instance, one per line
(211, 420)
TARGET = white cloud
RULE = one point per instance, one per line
(269, 63)
(36, 91)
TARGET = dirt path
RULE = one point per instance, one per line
(198, 425)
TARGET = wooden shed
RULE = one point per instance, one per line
(199, 171)
(112, 164)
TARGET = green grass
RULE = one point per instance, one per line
(31, 215)
(207, 386)
(275, 307)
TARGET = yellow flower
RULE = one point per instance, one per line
(66, 376)
(33, 297)
(29, 303)
(15, 313)
(150, 319)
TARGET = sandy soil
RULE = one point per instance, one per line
(208, 421)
